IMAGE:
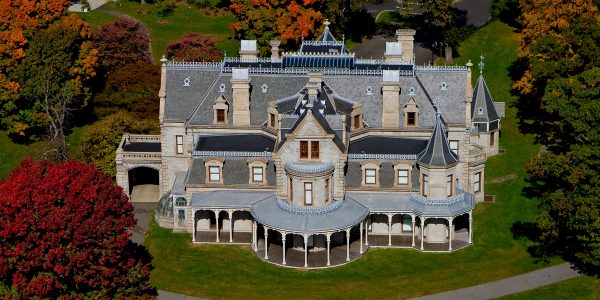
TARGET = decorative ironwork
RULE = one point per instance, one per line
(309, 210)
(382, 156)
(440, 68)
(197, 153)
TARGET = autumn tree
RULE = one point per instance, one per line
(133, 88)
(100, 140)
(64, 233)
(59, 61)
(122, 42)
(560, 92)
(194, 46)
(18, 18)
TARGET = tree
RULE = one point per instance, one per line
(194, 46)
(64, 234)
(60, 61)
(133, 88)
(100, 140)
(17, 19)
(439, 12)
(122, 42)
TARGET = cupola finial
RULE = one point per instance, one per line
(481, 64)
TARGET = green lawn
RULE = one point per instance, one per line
(11, 154)
(182, 21)
(221, 271)
(96, 18)
(583, 287)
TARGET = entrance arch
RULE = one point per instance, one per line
(139, 176)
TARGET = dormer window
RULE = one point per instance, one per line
(220, 111)
(370, 173)
(309, 153)
(272, 120)
(214, 171)
(411, 114)
(257, 170)
(220, 116)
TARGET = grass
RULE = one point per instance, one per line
(11, 154)
(222, 271)
(96, 18)
(182, 21)
(583, 287)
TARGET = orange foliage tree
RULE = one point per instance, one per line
(286, 20)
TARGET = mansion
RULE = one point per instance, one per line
(313, 157)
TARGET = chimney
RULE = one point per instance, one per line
(240, 83)
(162, 93)
(406, 38)
(314, 84)
(391, 99)
(274, 49)
(393, 52)
(248, 50)
(468, 96)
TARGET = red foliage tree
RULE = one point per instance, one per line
(194, 47)
(123, 42)
(64, 233)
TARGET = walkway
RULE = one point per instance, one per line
(509, 285)
(76, 7)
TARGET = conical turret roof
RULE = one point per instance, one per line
(482, 107)
(438, 153)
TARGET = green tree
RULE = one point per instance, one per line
(100, 140)
(440, 12)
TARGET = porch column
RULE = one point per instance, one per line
(413, 228)
(450, 234)
(230, 213)
(193, 226)
(305, 250)
(361, 239)
(266, 242)
(422, 232)
(367, 230)
(283, 234)
(390, 229)
(254, 236)
(217, 213)
(328, 246)
(470, 227)
(348, 244)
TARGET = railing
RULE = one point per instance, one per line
(142, 155)
(142, 138)
(309, 210)
(367, 61)
(323, 43)
(252, 60)
(440, 68)
(186, 65)
(459, 197)
(318, 54)
(197, 153)
(382, 156)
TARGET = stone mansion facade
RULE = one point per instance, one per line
(314, 156)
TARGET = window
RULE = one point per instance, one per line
(291, 188)
(454, 147)
(411, 119)
(181, 216)
(403, 177)
(477, 182)
(179, 142)
(272, 120)
(257, 174)
(220, 116)
(425, 185)
(492, 141)
(370, 176)
(303, 149)
(327, 192)
(314, 150)
(357, 122)
(308, 193)
(406, 223)
(180, 201)
(214, 174)
(449, 185)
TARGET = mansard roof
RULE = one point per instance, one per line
(386, 145)
(482, 107)
(235, 142)
(438, 153)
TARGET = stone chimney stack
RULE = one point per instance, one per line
(274, 49)
(248, 49)
(393, 52)
(240, 83)
(390, 117)
(314, 84)
(406, 39)
(162, 93)
(468, 96)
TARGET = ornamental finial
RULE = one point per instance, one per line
(481, 64)
(326, 22)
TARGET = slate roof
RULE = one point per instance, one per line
(228, 198)
(387, 145)
(235, 142)
(437, 152)
(181, 100)
(141, 147)
(391, 202)
(268, 212)
(482, 107)
(235, 172)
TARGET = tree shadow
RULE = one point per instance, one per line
(144, 258)
(529, 231)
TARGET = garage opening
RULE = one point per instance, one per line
(143, 184)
